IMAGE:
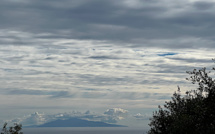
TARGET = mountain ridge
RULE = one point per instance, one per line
(76, 122)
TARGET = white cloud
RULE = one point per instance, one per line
(109, 116)
(117, 112)
(32, 119)
(139, 116)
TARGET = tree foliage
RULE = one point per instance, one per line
(192, 113)
(12, 130)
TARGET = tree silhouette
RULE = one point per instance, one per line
(12, 130)
(192, 113)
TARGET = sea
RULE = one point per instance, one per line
(84, 130)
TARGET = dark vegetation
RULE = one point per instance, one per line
(191, 113)
(12, 130)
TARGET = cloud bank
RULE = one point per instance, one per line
(166, 24)
(109, 116)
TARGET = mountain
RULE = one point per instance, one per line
(76, 122)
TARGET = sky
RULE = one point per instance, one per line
(105, 60)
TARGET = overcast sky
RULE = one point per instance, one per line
(128, 56)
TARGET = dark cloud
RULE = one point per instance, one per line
(202, 5)
(191, 60)
(103, 57)
(141, 95)
(91, 94)
(113, 21)
(53, 94)
(103, 80)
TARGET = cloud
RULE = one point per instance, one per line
(203, 5)
(142, 117)
(78, 72)
(110, 116)
(91, 94)
(31, 120)
(102, 57)
(123, 53)
(191, 60)
(116, 112)
(53, 94)
(131, 24)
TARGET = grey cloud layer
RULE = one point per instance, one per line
(97, 54)
(63, 64)
(103, 94)
(131, 23)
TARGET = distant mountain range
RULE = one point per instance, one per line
(76, 122)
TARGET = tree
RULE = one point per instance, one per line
(12, 130)
(192, 113)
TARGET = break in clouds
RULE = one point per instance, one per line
(96, 54)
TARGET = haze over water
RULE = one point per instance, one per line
(83, 131)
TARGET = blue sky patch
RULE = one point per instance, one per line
(166, 54)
